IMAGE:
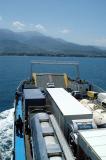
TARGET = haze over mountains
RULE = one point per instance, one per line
(35, 43)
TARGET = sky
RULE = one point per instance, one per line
(77, 21)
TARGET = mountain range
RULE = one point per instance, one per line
(35, 43)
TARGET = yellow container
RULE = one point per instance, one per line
(91, 94)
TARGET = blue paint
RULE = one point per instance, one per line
(19, 149)
(19, 141)
(19, 109)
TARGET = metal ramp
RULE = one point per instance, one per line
(43, 79)
(19, 141)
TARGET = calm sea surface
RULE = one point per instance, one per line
(13, 69)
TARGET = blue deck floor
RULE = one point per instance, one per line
(19, 141)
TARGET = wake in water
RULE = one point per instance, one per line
(6, 133)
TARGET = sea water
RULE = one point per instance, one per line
(13, 69)
(6, 133)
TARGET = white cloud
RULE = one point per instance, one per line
(21, 26)
(1, 18)
(101, 41)
(40, 28)
(18, 25)
(65, 31)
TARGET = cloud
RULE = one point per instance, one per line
(21, 26)
(1, 18)
(65, 31)
(40, 28)
(101, 41)
(18, 25)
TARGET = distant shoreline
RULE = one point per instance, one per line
(53, 55)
